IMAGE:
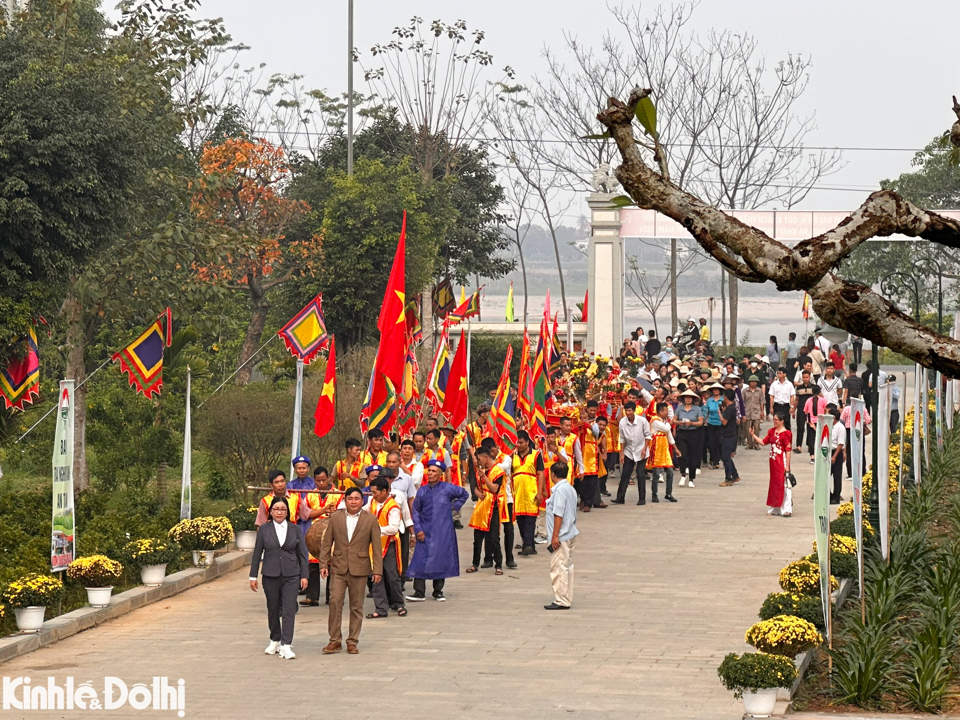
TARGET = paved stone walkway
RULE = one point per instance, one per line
(662, 593)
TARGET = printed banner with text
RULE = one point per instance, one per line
(64, 534)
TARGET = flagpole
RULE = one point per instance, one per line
(186, 491)
(469, 345)
(297, 412)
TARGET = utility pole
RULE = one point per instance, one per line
(349, 87)
(710, 303)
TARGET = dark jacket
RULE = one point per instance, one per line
(287, 561)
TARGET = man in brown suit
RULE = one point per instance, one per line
(351, 540)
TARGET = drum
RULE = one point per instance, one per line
(315, 535)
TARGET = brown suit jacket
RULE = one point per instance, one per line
(353, 557)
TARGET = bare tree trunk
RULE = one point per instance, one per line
(734, 299)
(258, 321)
(723, 306)
(77, 370)
(523, 269)
(674, 314)
(556, 249)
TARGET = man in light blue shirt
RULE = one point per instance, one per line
(561, 522)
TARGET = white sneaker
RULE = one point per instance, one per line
(286, 652)
(272, 647)
(683, 480)
(690, 484)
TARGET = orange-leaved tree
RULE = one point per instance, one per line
(240, 194)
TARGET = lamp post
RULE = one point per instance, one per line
(349, 87)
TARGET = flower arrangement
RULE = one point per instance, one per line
(202, 533)
(845, 526)
(803, 576)
(31, 591)
(756, 671)
(843, 565)
(95, 571)
(149, 551)
(785, 635)
(807, 607)
(243, 518)
(841, 544)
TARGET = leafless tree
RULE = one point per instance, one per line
(753, 256)
(652, 288)
(517, 193)
(729, 128)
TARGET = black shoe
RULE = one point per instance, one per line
(605, 493)
(655, 499)
(458, 525)
(554, 606)
(526, 551)
(512, 565)
(669, 498)
(488, 564)
(618, 502)
(641, 502)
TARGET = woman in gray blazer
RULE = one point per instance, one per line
(285, 570)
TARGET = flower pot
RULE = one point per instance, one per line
(152, 575)
(203, 558)
(30, 619)
(99, 597)
(759, 703)
(246, 539)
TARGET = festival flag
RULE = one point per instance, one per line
(142, 360)
(858, 413)
(20, 380)
(467, 309)
(586, 305)
(325, 416)
(410, 394)
(365, 406)
(806, 306)
(546, 306)
(501, 422)
(439, 372)
(541, 385)
(456, 399)
(414, 328)
(510, 315)
(306, 332)
(554, 349)
(821, 511)
(463, 295)
(443, 300)
(881, 474)
(524, 386)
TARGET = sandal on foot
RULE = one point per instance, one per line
(471, 569)
(374, 616)
(498, 571)
(401, 612)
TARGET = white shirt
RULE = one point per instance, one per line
(634, 436)
(829, 387)
(781, 392)
(838, 436)
(351, 525)
(401, 499)
(577, 452)
(415, 475)
(281, 529)
(823, 344)
(394, 518)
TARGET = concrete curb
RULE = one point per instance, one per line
(63, 626)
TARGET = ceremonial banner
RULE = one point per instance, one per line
(881, 474)
(925, 414)
(439, 372)
(857, 410)
(524, 384)
(541, 384)
(20, 380)
(586, 306)
(456, 401)
(410, 395)
(502, 423)
(325, 416)
(821, 509)
(467, 309)
(510, 312)
(556, 348)
(414, 328)
(443, 299)
(63, 534)
(186, 488)
(805, 311)
(142, 360)
(306, 332)
(297, 416)
(916, 425)
(938, 407)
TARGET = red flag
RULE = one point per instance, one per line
(524, 381)
(325, 415)
(502, 423)
(456, 400)
(586, 305)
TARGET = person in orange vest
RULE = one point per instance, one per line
(384, 507)
(569, 447)
(528, 490)
(435, 451)
(505, 463)
(475, 433)
(278, 485)
(374, 454)
(604, 444)
(346, 473)
(457, 454)
(319, 504)
(489, 511)
(590, 444)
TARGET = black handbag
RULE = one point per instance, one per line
(792, 479)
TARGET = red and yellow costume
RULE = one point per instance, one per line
(438, 454)
(367, 458)
(592, 450)
(660, 455)
(525, 470)
(482, 513)
(345, 469)
(382, 513)
(456, 476)
(293, 505)
(549, 458)
(567, 446)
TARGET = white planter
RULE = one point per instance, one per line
(203, 558)
(30, 619)
(99, 597)
(152, 575)
(759, 703)
(246, 539)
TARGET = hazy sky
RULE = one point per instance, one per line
(882, 76)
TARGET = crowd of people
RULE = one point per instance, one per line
(651, 418)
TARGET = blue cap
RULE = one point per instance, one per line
(301, 459)
(371, 468)
(437, 464)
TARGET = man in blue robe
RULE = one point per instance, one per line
(435, 556)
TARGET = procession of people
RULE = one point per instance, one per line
(658, 418)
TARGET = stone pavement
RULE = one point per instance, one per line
(663, 592)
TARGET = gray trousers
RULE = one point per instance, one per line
(281, 595)
(387, 593)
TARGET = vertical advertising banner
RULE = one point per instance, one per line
(186, 486)
(917, 419)
(938, 405)
(881, 474)
(821, 509)
(857, 414)
(63, 534)
(925, 414)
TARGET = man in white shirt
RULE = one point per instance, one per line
(822, 344)
(838, 442)
(404, 490)
(783, 397)
(387, 594)
(634, 440)
(830, 386)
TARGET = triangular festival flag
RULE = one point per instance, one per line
(325, 416)
(306, 332)
(142, 360)
(502, 423)
(510, 311)
(20, 380)
(456, 400)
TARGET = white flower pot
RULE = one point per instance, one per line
(30, 619)
(760, 703)
(152, 575)
(203, 558)
(246, 539)
(99, 597)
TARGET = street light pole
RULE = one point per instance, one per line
(349, 87)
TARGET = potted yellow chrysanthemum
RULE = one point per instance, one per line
(203, 536)
(97, 573)
(29, 597)
(151, 556)
(244, 522)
